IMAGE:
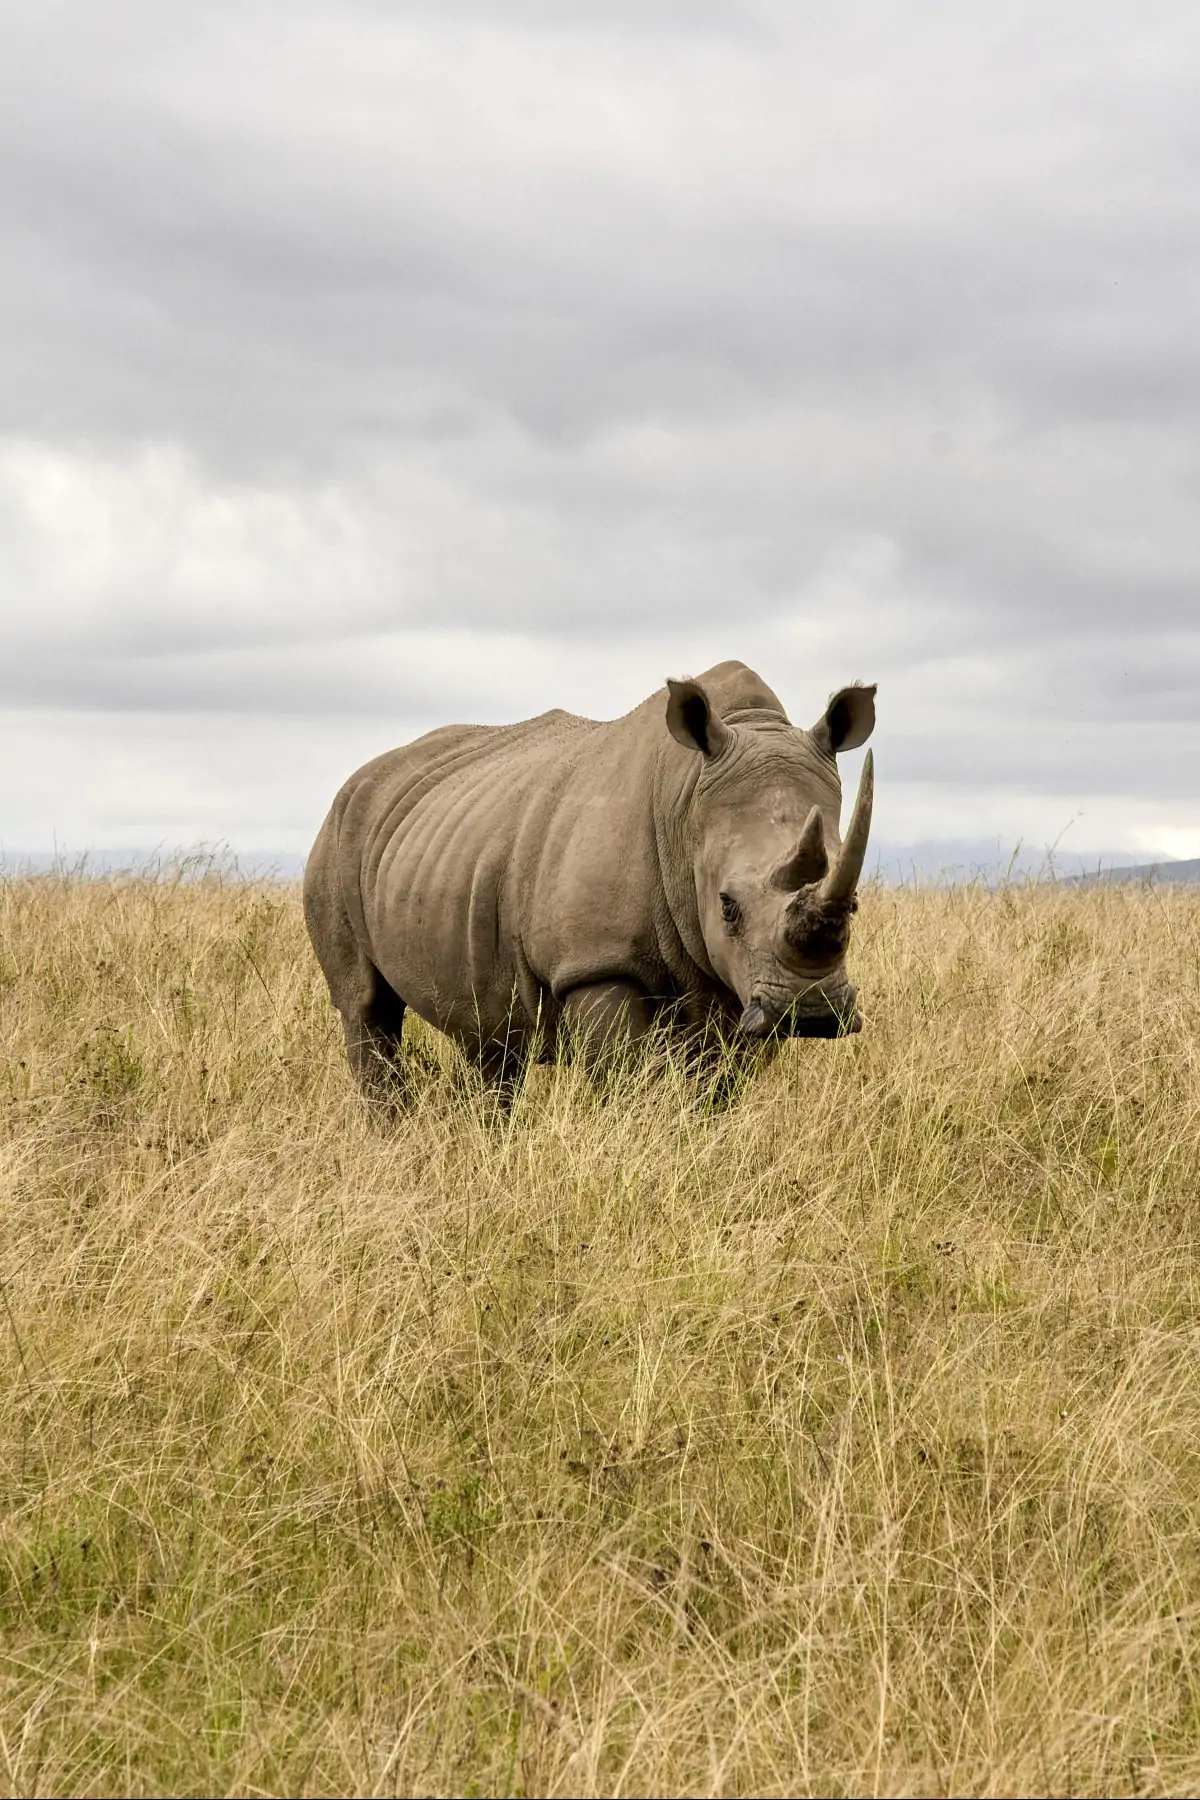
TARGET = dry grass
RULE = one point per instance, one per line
(846, 1440)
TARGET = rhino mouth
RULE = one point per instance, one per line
(814, 1015)
(820, 1025)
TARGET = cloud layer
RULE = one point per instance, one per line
(365, 366)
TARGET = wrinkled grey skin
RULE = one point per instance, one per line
(665, 869)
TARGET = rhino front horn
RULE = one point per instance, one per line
(842, 879)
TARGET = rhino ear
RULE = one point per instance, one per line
(692, 720)
(847, 721)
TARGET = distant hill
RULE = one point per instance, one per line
(962, 862)
(958, 862)
(1183, 874)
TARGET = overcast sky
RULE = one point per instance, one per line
(366, 366)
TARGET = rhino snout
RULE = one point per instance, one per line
(816, 1015)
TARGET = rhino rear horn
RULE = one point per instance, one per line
(842, 879)
(807, 862)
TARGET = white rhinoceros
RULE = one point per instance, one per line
(680, 868)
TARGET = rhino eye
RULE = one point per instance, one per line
(731, 912)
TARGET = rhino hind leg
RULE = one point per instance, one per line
(373, 1019)
(372, 1012)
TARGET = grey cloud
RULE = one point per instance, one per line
(567, 297)
(598, 322)
(248, 680)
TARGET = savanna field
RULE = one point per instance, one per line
(844, 1438)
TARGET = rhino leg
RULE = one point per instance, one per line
(605, 1019)
(373, 1019)
(372, 1013)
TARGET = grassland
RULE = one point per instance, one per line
(845, 1440)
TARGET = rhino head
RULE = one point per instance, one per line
(774, 881)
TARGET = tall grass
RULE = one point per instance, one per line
(843, 1440)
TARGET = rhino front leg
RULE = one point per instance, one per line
(605, 1019)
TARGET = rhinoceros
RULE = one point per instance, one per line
(679, 869)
